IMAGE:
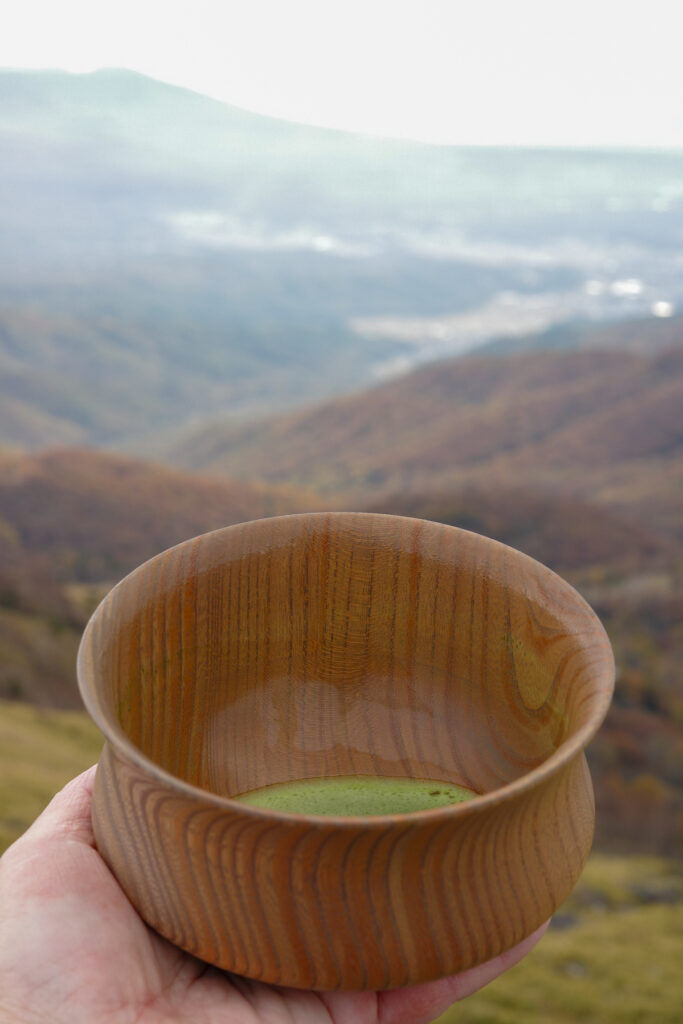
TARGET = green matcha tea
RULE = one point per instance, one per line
(357, 795)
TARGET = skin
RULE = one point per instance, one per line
(74, 951)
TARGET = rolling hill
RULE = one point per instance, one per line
(114, 148)
(145, 348)
(72, 522)
(567, 534)
(603, 426)
(96, 515)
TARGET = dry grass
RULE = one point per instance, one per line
(617, 961)
(40, 750)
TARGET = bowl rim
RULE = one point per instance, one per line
(562, 756)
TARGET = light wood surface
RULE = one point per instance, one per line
(336, 644)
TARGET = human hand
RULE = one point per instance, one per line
(74, 951)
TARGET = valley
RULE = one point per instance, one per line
(166, 259)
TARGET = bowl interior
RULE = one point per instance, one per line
(320, 645)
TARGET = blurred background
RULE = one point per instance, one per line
(413, 257)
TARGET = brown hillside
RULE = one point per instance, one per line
(606, 426)
(644, 422)
(96, 516)
(637, 335)
(562, 532)
(70, 515)
(473, 408)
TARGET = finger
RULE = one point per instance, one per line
(68, 813)
(421, 1004)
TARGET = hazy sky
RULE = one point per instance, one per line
(479, 71)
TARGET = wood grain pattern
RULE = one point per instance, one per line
(335, 644)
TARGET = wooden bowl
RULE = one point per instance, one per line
(338, 644)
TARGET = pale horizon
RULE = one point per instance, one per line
(437, 72)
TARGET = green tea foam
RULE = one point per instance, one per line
(357, 795)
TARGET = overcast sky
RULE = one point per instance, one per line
(592, 72)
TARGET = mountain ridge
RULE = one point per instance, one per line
(562, 420)
(188, 258)
(91, 515)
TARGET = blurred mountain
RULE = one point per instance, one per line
(165, 257)
(94, 516)
(603, 426)
(111, 365)
(72, 522)
(566, 534)
(105, 148)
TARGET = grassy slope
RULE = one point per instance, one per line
(40, 751)
(616, 960)
(611, 968)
